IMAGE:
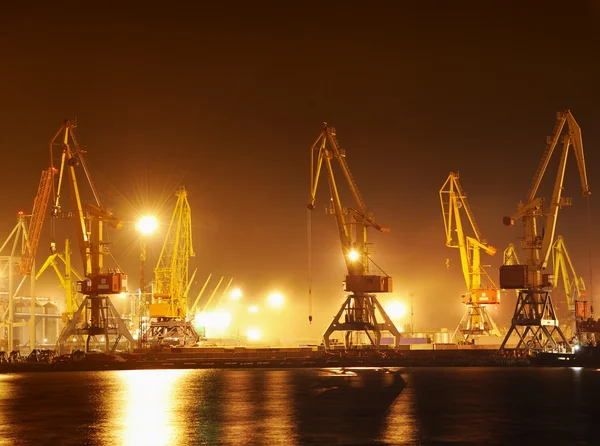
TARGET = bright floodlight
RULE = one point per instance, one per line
(253, 309)
(353, 255)
(253, 334)
(236, 294)
(276, 300)
(395, 310)
(147, 225)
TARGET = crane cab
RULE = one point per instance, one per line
(486, 296)
(368, 284)
(110, 283)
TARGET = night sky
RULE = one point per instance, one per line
(227, 98)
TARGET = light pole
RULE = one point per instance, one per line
(236, 295)
(146, 226)
(412, 315)
(276, 301)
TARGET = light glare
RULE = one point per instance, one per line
(147, 225)
(236, 294)
(253, 334)
(276, 300)
(395, 309)
(353, 255)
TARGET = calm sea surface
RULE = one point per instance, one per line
(479, 406)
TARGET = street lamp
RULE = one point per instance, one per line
(275, 300)
(146, 226)
(236, 294)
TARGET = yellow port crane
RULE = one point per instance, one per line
(574, 286)
(96, 321)
(476, 321)
(361, 307)
(169, 321)
(535, 321)
(66, 279)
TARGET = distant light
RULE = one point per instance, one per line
(74, 339)
(213, 319)
(45, 340)
(236, 294)
(253, 309)
(276, 300)
(395, 309)
(147, 225)
(253, 334)
(353, 255)
(101, 339)
(122, 295)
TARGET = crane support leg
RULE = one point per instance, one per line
(359, 313)
(477, 322)
(169, 331)
(96, 316)
(535, 323)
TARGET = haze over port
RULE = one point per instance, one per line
(228, 105)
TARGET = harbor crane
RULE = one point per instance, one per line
(476, 321)
(19, 263)
(535, 321)
(361, 307)
(573, 285)
(66, 278)
(169, 321)
(96, 315)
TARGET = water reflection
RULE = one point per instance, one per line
(189, 407)
(178, 407)
(148, 408)
(5, 392)
(257, 408)
(336, 408)
(279, 425)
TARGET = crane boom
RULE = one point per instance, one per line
(71, 157)
(38, 214)
(563, 268)
(355, 252)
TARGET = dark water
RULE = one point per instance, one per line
(478, 406)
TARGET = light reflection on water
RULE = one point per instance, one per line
(146, 406)
(180, 407)
(192, 407)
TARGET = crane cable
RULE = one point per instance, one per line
(309, 241)
(590, 256)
